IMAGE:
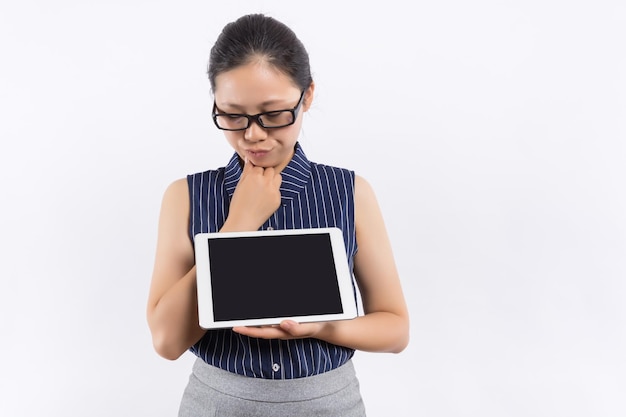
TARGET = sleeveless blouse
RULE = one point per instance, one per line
(312, 196)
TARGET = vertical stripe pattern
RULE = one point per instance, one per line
(312, 196)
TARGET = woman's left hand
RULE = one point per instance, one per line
(287, 329)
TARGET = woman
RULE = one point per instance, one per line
(260, 77)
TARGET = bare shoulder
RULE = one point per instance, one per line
(174, 217)
(360, 182)
(177, 191)
(175, 203)
(364, 195)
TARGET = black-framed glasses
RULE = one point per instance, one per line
(267, 120)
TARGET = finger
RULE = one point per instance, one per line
(293, 328)
(269, 172)
(249, 167)
(274, 176)
(277, 180)
(262, 332)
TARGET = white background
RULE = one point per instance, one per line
(493, 133)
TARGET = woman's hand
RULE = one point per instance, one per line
(256, 197)
(287, 329)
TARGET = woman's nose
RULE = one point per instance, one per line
(255, 132)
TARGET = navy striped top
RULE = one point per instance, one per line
(312, 196)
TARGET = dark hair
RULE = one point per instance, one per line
(256, 36)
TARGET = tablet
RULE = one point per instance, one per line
(264, 277)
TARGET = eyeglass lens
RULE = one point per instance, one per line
(272, 119)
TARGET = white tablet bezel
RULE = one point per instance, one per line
(203, 279)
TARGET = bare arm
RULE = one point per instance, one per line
(173, 300)
(172, 303)
(385, 325)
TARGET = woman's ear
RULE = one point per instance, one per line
(308, 96)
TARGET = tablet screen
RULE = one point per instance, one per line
(274, 276)
(264, 277)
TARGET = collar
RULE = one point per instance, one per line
(295, 175)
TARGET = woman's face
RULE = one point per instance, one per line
(256, 88)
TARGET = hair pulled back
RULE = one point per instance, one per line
(259, 37)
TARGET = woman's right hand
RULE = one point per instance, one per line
(256, 197)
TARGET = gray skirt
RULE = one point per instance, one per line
(211, 391)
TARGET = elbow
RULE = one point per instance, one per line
(163, 341)
(165, 348)
(401, 345)
(402, 339)
(165, 345)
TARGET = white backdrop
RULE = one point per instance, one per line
(493, 133)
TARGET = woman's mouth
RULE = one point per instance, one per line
(257, 153)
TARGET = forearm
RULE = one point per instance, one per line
(373, 332)
(174, 319)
